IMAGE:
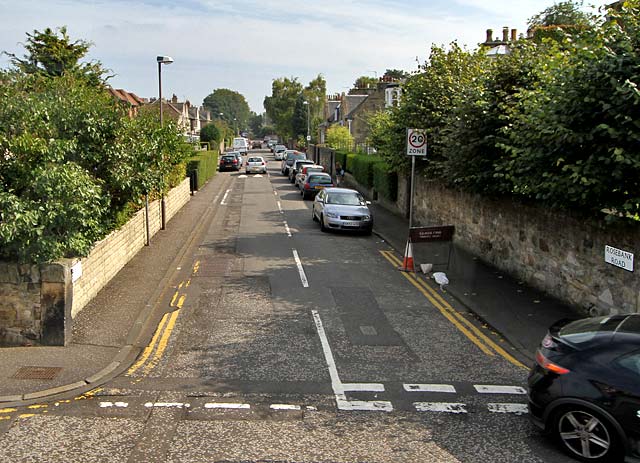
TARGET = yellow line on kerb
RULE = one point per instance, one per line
(472, 332)
(196, 267)
(173, 299)
(162, 345)
(147, 351)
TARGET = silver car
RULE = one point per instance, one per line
(342, 209)
(256, 164)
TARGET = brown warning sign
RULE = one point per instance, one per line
(426, 234)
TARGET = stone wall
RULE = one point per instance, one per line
(553, 252)
(39, 302)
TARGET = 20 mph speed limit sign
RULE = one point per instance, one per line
(416, 142)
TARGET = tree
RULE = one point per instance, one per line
(315, 93)
(210, 133)
(233, 106)
(280, 105)
(53, 54)
(338, 137)
(256, 125)
(365, 82)
(299, 121)
(396, 74)
(558, 20)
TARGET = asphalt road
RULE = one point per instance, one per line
(286, 344)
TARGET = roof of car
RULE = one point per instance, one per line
(340, 190)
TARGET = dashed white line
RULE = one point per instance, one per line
(518, 409)
(167, 405)
(224, 198)
(286, 228)
(114, 404)
(364, 406)
(443, 407)
(233, 406)
(430, 388)
(363, 387)
(303, 277)
(280, 207)
(284, 407)
(493, 389)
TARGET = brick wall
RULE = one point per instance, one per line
(39, 302)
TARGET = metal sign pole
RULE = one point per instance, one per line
(413, 184)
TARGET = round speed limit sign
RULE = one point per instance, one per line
(416, 142)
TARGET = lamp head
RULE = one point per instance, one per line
(164, 59)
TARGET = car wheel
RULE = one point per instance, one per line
(586, 435)
(322, 226)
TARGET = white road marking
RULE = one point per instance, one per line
(227, 405)
(167, 405)
(114, 404)
(364, 387)
(311, 409)
(429, 388)
(287, 229)
(242, 176)
(303, 277)
(284, 407)
(257, 176)
(224, 198)
(280, 207)
(492, 389)
(444, 407)
(518, 409)
(336, 384)
(275, 192)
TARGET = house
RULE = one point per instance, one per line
(354, 109)
(130, 100)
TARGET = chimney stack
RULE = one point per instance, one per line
(489, 35)
(505, 34)
(514, 35)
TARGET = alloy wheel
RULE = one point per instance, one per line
(584, 434)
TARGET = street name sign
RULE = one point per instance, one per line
(619, 258)
(416, 142)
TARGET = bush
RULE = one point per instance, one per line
(384, 181)
(210, 133)
(205, 164)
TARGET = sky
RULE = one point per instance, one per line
(244, 45)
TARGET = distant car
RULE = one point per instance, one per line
(584, 388)
(256, 164)
(314, 183)
(256, 144)
(306, 169)
(342, 209)
(229, 161)
(296, 166)
(240, 144)
(278, 151)
(289, 157)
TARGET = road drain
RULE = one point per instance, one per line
(37, 373)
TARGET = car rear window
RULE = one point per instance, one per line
(321, 179)
(582, 331)
(255, 160)
(228, 158)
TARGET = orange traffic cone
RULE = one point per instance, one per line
(407, 263)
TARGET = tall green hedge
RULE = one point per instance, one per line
(371, 172)
(341, 157)
(205, 163)
(384, 181)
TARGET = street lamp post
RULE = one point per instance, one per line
(306, 103)
(162, 60)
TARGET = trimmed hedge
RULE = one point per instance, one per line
(205, 163)
(384, 181)
(341, 157)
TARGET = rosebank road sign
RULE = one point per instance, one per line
(619, 258)
(416, 142)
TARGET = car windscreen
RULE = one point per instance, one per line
(346, 199)
(321, 179)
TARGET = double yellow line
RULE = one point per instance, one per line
(475, 334)
(160, 339)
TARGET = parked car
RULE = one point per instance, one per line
(314, 183)
(300, 176)
(289, 157)
(584, 388)
(230, 161)
(256, 164)
(342, 209)
(278, 151)
(296, 166)
(256, 144)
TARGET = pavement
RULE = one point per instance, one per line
(110, 333)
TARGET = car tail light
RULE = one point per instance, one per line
(307, 186)
(235, 161)
(545, 363)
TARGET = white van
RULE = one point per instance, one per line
(241, 144)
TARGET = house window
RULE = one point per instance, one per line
(392, 97)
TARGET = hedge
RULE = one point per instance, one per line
(341, 157)
(370, 172)
(384, 181)
(205, 163)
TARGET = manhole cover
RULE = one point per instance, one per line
(37, 373)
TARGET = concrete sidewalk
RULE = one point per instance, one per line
(519, 313)
(111, 331)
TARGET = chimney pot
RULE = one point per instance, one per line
(514, 35)
(505, 34)
(489, 35)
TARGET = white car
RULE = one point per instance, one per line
(279, 151)
(256, 164)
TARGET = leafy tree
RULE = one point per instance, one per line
(316, 94)
(365, 82)
(233, 106)
(255, 125)
(338, 137)
(53, 54)
(210, 133)
(280, 105)
(299, 120)
(558, 20)
(396, 74)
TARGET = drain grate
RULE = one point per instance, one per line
(37, 373)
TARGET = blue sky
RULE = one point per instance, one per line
(243, 45)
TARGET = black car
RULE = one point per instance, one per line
(585, 387)
(229, 162)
